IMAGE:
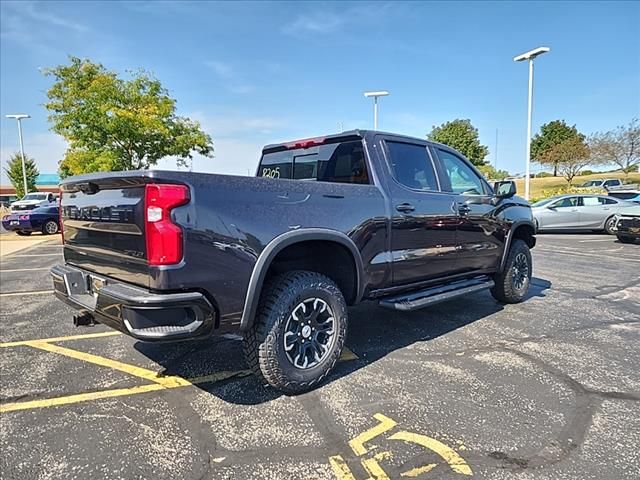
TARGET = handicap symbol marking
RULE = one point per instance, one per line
(371, 458)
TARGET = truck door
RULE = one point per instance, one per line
(423, 218)
(480, 233)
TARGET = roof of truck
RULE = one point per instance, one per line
(352, 134)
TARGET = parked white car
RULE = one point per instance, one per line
(33, 200)
(578, 212)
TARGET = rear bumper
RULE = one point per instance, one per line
(132, 310)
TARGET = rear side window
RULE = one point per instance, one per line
(336, 162)
(412, 166)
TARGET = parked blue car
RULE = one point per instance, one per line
(41, 219)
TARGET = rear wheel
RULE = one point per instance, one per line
(50, 227)
(512, 284)
(609, 224)
(299, 331)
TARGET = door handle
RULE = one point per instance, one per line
(405, 208)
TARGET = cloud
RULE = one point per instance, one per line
(30, 24)
(232, 81)
(221, 69)
(232, 157)
(316, 22)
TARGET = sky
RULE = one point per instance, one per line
(258, 73)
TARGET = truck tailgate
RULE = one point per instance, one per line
(103, 226)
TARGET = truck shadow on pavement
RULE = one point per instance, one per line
(374, 332)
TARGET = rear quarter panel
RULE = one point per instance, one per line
(231, 219)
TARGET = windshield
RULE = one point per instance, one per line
(35, 196)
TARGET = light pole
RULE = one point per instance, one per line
(375, 95)
(530, 55)
(19, 117)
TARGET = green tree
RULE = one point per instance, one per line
(620, 147)
(14, 172)
(491, 173)
(117, 124)
(462, 136)
(552, 134)
(569, 157)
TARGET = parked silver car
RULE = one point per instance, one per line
(578, 212)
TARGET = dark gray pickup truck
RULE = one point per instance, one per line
(328, 222)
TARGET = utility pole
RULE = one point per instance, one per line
(19, 117)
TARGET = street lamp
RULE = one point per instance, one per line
(19, 117)
(530, 55)
(375, 95)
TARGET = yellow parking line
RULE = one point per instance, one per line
(357, 444)
(118, 392)
(455, 461)
(168, 381)
(340, 468)
(59, 339)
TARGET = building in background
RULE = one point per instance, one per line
(46, 182)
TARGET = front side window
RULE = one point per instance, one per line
(464, 181)
(412, 166)
(567, 202)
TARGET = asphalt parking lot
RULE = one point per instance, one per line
(547, 389)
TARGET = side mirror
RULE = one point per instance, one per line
(504, 189)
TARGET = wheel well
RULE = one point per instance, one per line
(527, 233)
(326, 257)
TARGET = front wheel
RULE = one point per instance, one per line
(299, 331)
(512, 284)
(609, 225)
(50, 228)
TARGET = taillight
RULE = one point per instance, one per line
(23, 217)
(164, 238)
(306, 143)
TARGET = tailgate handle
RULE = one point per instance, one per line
(88, 188)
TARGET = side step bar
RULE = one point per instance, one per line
(429, 296)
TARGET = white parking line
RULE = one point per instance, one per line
(2, 270)
(598, 240)
(15, 294)
(36, 255)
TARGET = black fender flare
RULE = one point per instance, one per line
(507, 243)
(276, 245)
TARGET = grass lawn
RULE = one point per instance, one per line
(537, 185)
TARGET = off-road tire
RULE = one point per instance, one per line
(264, 342)
(627, 239)
(505, 289)
(609, 224)
(47, 228)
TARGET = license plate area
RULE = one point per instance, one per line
(14, 222)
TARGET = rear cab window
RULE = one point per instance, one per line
(341, 162)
